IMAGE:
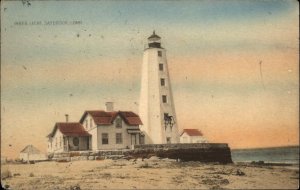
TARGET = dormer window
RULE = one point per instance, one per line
(86, 124)
(118, 123)
(91, 123)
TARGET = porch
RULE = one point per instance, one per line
(77, 143)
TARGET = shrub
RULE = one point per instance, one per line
(31, 175)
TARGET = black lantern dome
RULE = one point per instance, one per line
(154, 41)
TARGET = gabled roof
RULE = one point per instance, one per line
(192, 132)
(101, 117)
(30, 149)
(69, 129)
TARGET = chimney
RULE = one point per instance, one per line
(67, 117)
(109, 106)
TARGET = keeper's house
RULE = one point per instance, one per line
(97, 130)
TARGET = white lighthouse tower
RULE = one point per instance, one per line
(156, 107)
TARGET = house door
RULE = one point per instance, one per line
(88, 143)
(133, 139)
(168, 140)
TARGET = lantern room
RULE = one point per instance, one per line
(154, 41)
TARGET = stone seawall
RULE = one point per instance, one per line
(204, 152)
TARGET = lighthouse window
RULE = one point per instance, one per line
(161, 67)
(164, 98)
(162, 82)
(159, 53)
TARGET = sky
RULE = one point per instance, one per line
(234, 66)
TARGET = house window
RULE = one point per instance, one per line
(162, 82)
(55, 142)
(118, 123)
(104, 138)
(161, 67)
(86, 124)
(91, 123)
(159, 53)
(164, 98)
(119, 139)
(75, 141)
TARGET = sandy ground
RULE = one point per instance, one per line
(148, 174)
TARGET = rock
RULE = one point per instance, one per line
(224, 182)
(64, 159)
(84, 153)
(239, 172)
(91, 157)
(154, 158)
(94, 154)
(83, 158)
(139, 160)
(99, 158)
(75, 158)
(76, 187)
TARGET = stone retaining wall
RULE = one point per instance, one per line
(181, 145)
(205, 152)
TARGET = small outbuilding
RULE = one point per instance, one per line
(192, 136)
(31, 153)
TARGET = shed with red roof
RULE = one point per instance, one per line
(192, 136)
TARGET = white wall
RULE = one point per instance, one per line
(32, 157)
(151, 108)
(92, 129)
(112, 130)
(57, 142)
(185, 138)
(88, 122)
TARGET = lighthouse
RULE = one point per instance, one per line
(156, 106)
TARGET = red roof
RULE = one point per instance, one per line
(192, 132)
(106, 118)
(69, 129)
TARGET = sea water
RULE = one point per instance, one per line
(289, 155)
